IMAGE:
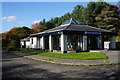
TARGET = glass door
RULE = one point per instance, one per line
(92, 42)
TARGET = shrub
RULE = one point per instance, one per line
(13, 43)
(11, 48)
(118, 45)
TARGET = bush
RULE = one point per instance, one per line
(11, 48)
(118, 45)
(117, 38)
(14, 43)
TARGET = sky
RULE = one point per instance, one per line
(18, 14)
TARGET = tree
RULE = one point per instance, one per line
(15, 34)
(25, 31)
(77, 13)
(94, 9)
(49, 25)
(106, 20)
(56, 21)
(90, 15)
(38, 27)
(43, 21)
(109, 19)
(119, 32)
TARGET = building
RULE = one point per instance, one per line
(25, 43)
(71, 36)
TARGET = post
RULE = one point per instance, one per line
(99, 40)
(84, 42)
(50, 43)
(64, 43)
(21, 43)
(113, 42)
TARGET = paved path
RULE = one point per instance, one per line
(113, 56)
(62, 61)
(19, 67)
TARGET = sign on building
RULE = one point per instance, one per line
(106, 45)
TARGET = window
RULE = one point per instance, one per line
(32, 41)
(56, 44)
(74, 42)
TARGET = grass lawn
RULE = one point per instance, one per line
(81, 55)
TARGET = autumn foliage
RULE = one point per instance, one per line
(37, 27)
(14, 36)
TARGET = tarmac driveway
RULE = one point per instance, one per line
(19, 67)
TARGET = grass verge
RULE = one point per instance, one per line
(80, 56)
(48, 59)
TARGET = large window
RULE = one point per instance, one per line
(74, 42)
(56, 42)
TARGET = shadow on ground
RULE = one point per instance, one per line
(14, 68)
(25, 71)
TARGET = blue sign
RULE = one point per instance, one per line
(86, 32)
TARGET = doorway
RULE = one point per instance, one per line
(46, 42)
(92, 42)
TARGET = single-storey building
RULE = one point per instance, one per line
(25, 43)
(70, 36)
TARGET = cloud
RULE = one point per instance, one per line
(3, 18)
(21, 22)
(11, 18)
(34, 22)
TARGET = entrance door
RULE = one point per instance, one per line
(38, 43)
(46, 42)
(92, 42)
(57, 42)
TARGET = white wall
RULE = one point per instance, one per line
(42, 42)
(38, 43)
(50, 43)
(34, 45)
(22, 43)
(99, 40)
(84, 42)
(27, 44)
(63, 42)
(81, 41)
